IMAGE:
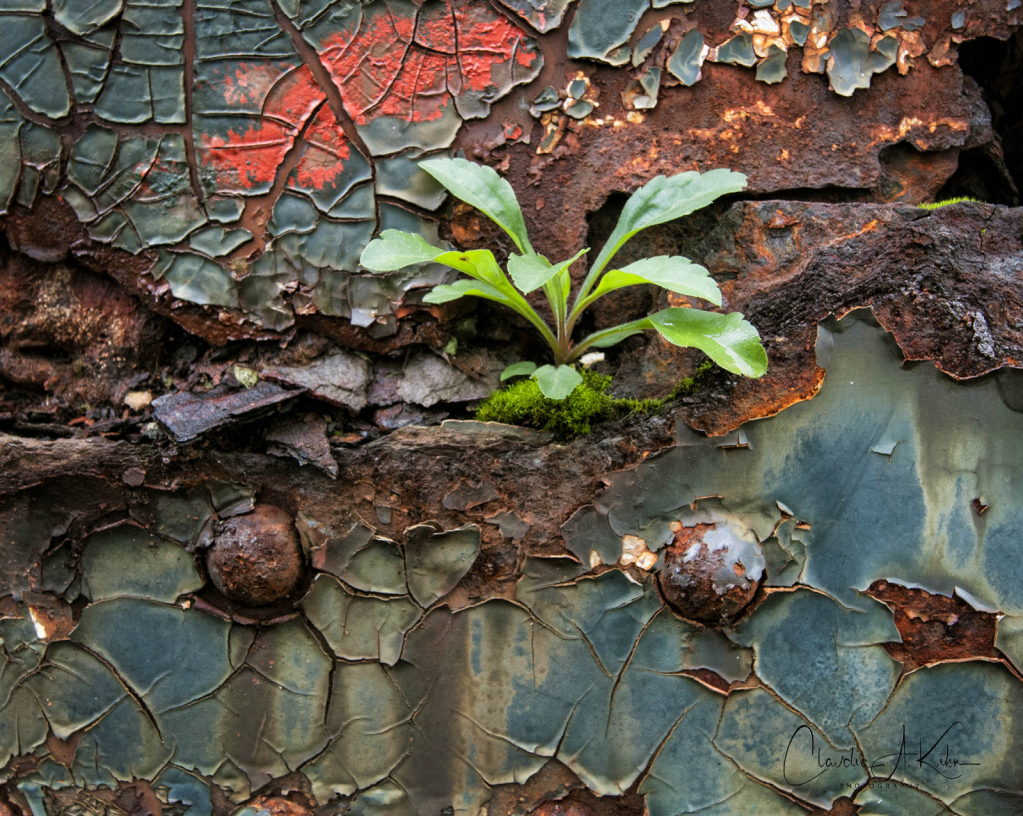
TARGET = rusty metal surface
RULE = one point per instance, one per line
(423, 666)
(945, 283)
(232, 186)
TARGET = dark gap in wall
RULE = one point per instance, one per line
(997, 67)
(979, 176)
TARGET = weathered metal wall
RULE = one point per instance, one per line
(797, 594)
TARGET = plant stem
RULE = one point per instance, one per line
(635, 327)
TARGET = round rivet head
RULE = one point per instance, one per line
(711, 572)
(256, 559)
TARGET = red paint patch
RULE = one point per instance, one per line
(294, 97)
(411, 68)
(247, 159)
(325, 158)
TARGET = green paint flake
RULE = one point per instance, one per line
(607, 612)
(175, 786)
(646, 44)
(357, 627)
(437, 560)
(91, 158)
(377, 567)
(685, 61)
(88, 61)
(772, 69)
(360, 204)
(543, 15)
(370, 727)
(392, 134)
(970, 712)
(85, 16)
(738, 51)
(601, 28)
(72, 706)
(818, 658)
(1009, 639)
(168, 656)
(852, 61)
(719, 788)
(11, 123)
(136, 94)
(161, 570)
(128, 747)
(587, 533)
(224, 210)
(217, 241)
(710, 649)
(152, 32)
(31, 66)
(196, 279)
(400, 177)
(769, 741)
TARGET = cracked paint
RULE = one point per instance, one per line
(426, 706)
(247, 99)
(248, 185)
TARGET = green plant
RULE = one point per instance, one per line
(727, 339)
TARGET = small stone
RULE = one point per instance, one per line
(137, 400)
(133, 477)
(711, 572)
(256, 559)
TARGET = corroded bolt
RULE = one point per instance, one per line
(711, 571)
(256, 559)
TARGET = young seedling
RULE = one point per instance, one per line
(727, 339)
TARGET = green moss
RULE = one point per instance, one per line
(522, 404)
(957, 200)
(689, 385)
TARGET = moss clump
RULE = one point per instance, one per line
(522, 403)
(957, 200)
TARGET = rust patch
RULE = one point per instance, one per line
(935, 628)
(841, 807)
(294, 804)
(929, 277)
(704, 578)
(796, 134)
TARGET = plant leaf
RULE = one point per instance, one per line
(728, 340)
(395, 249)
(444, 292)
(482, 187)
(520, 369)
(558, 382)
(664, 198)
(481, 265)
(530, 272)
(674, 273)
